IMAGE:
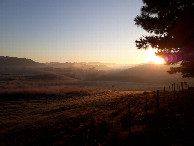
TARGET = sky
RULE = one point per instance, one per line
(71, 30)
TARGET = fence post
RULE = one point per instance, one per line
(168, 96)
(164, 92)
(174, 90)
(172, 87)
(129, 112)
(146, 109)
(92, 127)
(157, 101)
(91, 137)
(182, 85)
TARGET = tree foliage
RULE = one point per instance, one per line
(170, 24)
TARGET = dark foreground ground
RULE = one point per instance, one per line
(96, 117)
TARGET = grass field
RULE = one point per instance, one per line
(58, 113)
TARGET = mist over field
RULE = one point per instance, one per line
(140, 77)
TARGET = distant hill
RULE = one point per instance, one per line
(144, 73)
(6, 61)
(151, 73)
(84, 66)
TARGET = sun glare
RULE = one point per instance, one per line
(151, 57)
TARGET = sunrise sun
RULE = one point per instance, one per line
(151, 57)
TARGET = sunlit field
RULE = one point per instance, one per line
(34, 112)
(56, 114)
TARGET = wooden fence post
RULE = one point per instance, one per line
(146, 108)
(174, 90)
(164, 92)
(172, 87)
(157, 101)
(129, 112)
(92, 127)
(182, 86)
(168, 96)
(91, 137)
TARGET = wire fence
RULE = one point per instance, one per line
(151, 104)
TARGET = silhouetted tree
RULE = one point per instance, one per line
(170, 24)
